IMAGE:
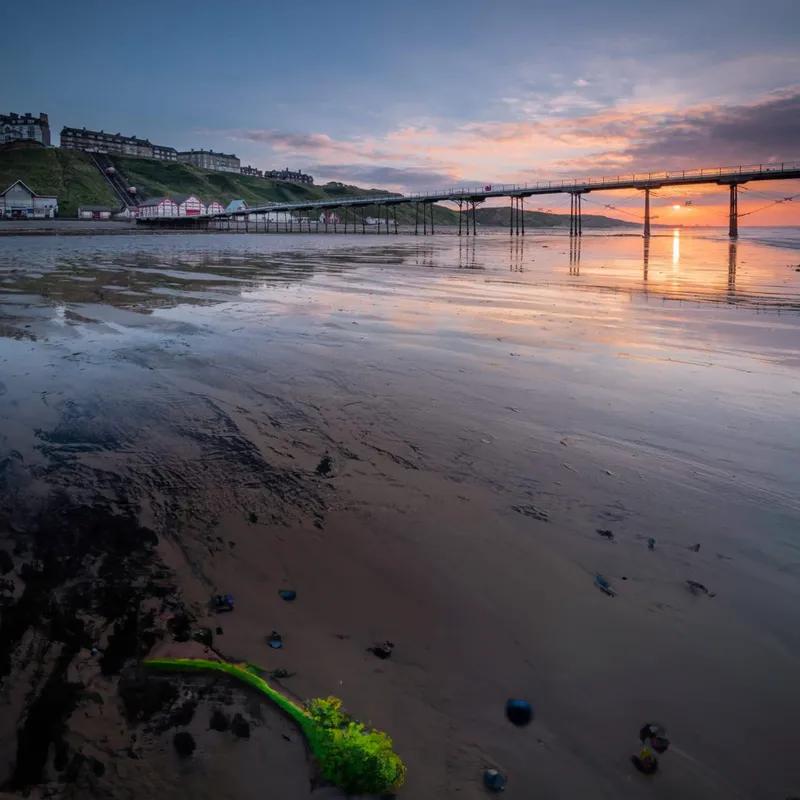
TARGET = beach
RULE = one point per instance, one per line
(422, 436)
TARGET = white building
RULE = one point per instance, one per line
(157, 207)
(24, 126)
(95, 212)
(214, 207)
(188, 205)
(208, 159)
(20, 202)
(115, 143)
(329, 218)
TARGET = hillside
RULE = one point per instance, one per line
(72, 177)
(541, 219)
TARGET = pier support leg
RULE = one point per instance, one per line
(571, 215)
(459, 217)
(733, 225)
(511, 220)
(647, 212)
(394, 216)
(387, 220)
(431, 207)
(416, 221)
(424, 219)
(474, 223)
(522, 213)
(580, 216)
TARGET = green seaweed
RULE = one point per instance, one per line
(355, 760)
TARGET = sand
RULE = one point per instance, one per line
(480, 433)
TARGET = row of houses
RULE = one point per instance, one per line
(180, 205)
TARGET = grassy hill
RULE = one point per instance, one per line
(72, 177)
(541, 219)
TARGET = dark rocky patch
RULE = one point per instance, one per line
(184, 744)
(219, 720)
(142, 698)
(6, 562)
(240, 727)
(325, 466)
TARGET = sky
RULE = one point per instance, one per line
(432, 94)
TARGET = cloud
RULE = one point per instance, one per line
(631, 137)
(392, 178)
(761, 132)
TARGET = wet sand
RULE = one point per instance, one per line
(487, 406)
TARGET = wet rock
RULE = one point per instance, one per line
(383, 650)
(252, 517)
(219, 631)
(240, 727)
(287, 594)
(275, 640)
(606, 534)
(184, 744)
(180, 626)
(604, 586)
(695, 548)
(6, 563)
(204, 636)
(493, 780)
(219, 720)
(519, 712)
(651, 544)
(223, 603)
(698, 588)
(325, 466)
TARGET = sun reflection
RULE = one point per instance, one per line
(676, 248)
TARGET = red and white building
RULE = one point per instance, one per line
(189, 205)
(214, 207)
(329, 218)
(157, 207)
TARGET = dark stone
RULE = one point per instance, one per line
(287, 594)
(278, 674)
(219, 720)
(204, 636)
(253, 517)
(325, 466)
(605, 534)
(184, 744)
(519, 712)
(240, 727)
(180, 626)
(383, 650)
(6, 563)
(98, 767)
(275, 640)
(493, 780)
(695, 548)
(219, 631)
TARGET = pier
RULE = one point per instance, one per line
(468, 199)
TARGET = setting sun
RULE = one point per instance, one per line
(676, 206)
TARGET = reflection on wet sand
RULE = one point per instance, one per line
(185, 396)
